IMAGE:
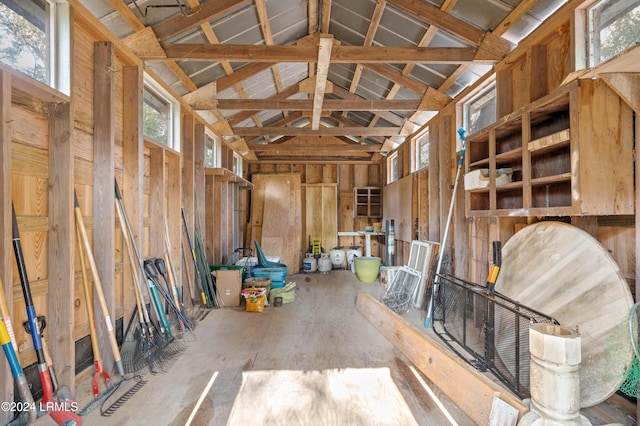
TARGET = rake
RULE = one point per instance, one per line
(144, 348)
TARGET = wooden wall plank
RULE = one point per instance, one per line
(61, 243)
(6, 268)
(173, 216)
(434, 181)
(157, 194)
(132, 182)
(103, 193)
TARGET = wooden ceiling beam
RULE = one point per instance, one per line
(324, 56)
(195, 17)
(323, 131)
(342, 149)
(305, 53)
(328, 104)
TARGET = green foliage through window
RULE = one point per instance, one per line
(157, 117)
(23, 37)
(615, 26)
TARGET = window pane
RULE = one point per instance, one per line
(23, 37)
(210, 152)
(422, 152)
(481, 110)
(157, 117)
(615, 26)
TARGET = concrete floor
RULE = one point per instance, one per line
(320, 332)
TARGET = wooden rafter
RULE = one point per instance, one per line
(323, 131)
(328, 104)
(197, 16)
(324, 57)
(308, 53)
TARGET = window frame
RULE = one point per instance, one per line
(173, 137)
(418, 142)
(392, 168)
(481, 92)
(237, 164)
(58, 47)
(593, 28)
(215, 148)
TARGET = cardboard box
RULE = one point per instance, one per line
(229, 285)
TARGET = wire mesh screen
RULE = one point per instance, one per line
(492, 329)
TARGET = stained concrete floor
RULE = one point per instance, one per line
(320, 332)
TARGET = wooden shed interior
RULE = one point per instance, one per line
(278, 122)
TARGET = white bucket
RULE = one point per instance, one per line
(352, 253)
(324, 264)
(337, 257)
(309, 264)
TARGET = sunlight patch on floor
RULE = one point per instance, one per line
(350, 396)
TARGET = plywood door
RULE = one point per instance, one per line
(321, 215)
(279, 195)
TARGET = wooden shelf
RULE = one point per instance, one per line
(564, 154)
(550, 142)
(564, 177)
(367, 202)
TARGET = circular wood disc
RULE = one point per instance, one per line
(565, 273)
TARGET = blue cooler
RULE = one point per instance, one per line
(277, 274)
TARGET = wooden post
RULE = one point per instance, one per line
(6, 254)
(61, 244)
(172, 209)
(157, 170)
(190, 197)
(133, 172)
(434, 181)
(103, 191)
(199, 179)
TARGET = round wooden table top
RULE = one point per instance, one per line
(564, 272)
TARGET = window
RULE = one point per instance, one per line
(237, 164)
(480, 110)
(422, 151)
(161, 115)
(211, 151)
(392, 168)
(614, 25)
(34, 39)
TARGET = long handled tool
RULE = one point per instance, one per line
(145, 347)
(60, 412)
(11, 354)
(436, 282)
(195, 263)
(83, 242)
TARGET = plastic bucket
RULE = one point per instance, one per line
(367, 268)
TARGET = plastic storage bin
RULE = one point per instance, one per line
(277, 274)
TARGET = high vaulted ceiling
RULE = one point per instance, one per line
(323, 79)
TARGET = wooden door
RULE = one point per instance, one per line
(276, 216)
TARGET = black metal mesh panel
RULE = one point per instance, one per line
(491, 329)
